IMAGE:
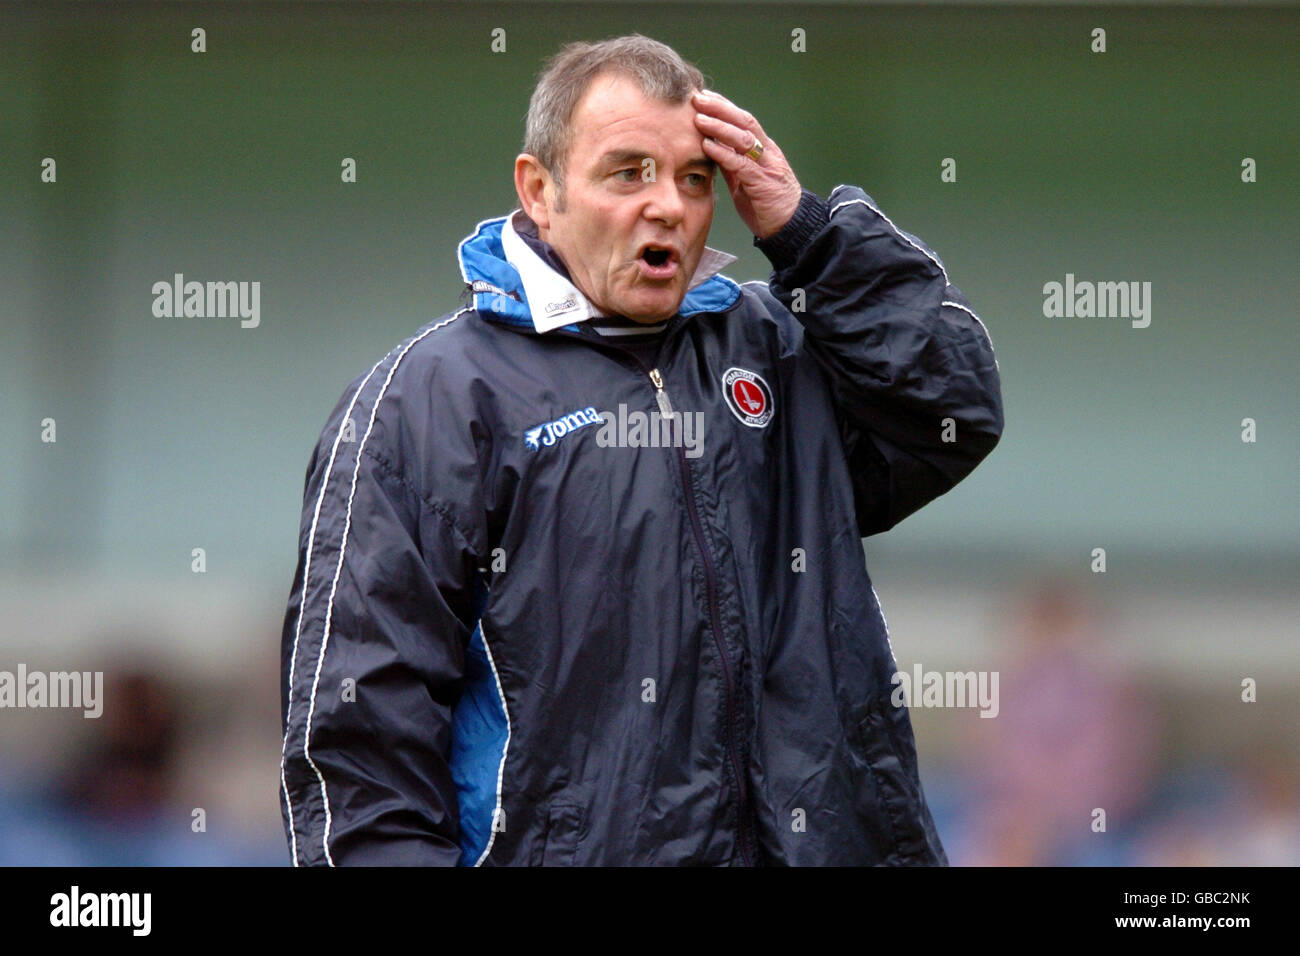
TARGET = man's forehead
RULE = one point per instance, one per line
(615, 115)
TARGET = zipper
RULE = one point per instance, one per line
(665, 406)
(711, 588)
(744, 827)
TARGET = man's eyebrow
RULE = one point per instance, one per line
(616, 157)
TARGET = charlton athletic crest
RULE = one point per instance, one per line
(748, 396)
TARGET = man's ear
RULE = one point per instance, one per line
(534, 186)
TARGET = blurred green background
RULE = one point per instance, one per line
(182, 432)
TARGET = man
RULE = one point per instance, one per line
(570, 594)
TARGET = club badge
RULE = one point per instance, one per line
(748, 396)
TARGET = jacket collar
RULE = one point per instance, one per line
(511, 282)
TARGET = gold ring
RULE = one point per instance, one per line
(755, 151)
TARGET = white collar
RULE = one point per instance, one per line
(554, 300)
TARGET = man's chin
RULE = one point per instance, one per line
(650, 312)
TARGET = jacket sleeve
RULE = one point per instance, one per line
(911, 367)
(372, 657)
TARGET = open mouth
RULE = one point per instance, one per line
(658, 262)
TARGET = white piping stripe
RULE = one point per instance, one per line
(902, 235)
(460, 252)
(501, 767)
(958, 305)
(338, 570)
(881, 608)
(306, 580)
(460, 246)
(347, 525)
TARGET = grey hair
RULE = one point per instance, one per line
(657, 69)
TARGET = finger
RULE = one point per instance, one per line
(729, 159)
(715, 104)
(741, 140)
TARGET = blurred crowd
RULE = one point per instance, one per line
(178, 771)
(1085, 764)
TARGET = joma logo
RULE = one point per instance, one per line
(548, 433)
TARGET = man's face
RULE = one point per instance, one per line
(632, 232)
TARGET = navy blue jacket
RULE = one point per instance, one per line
(525, 630)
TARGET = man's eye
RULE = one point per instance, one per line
(699, 179)
(628, 175)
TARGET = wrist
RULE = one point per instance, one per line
(782, 248)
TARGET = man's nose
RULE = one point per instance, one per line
(666, 204)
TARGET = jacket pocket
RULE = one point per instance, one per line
(877, 729)
(563, 835)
